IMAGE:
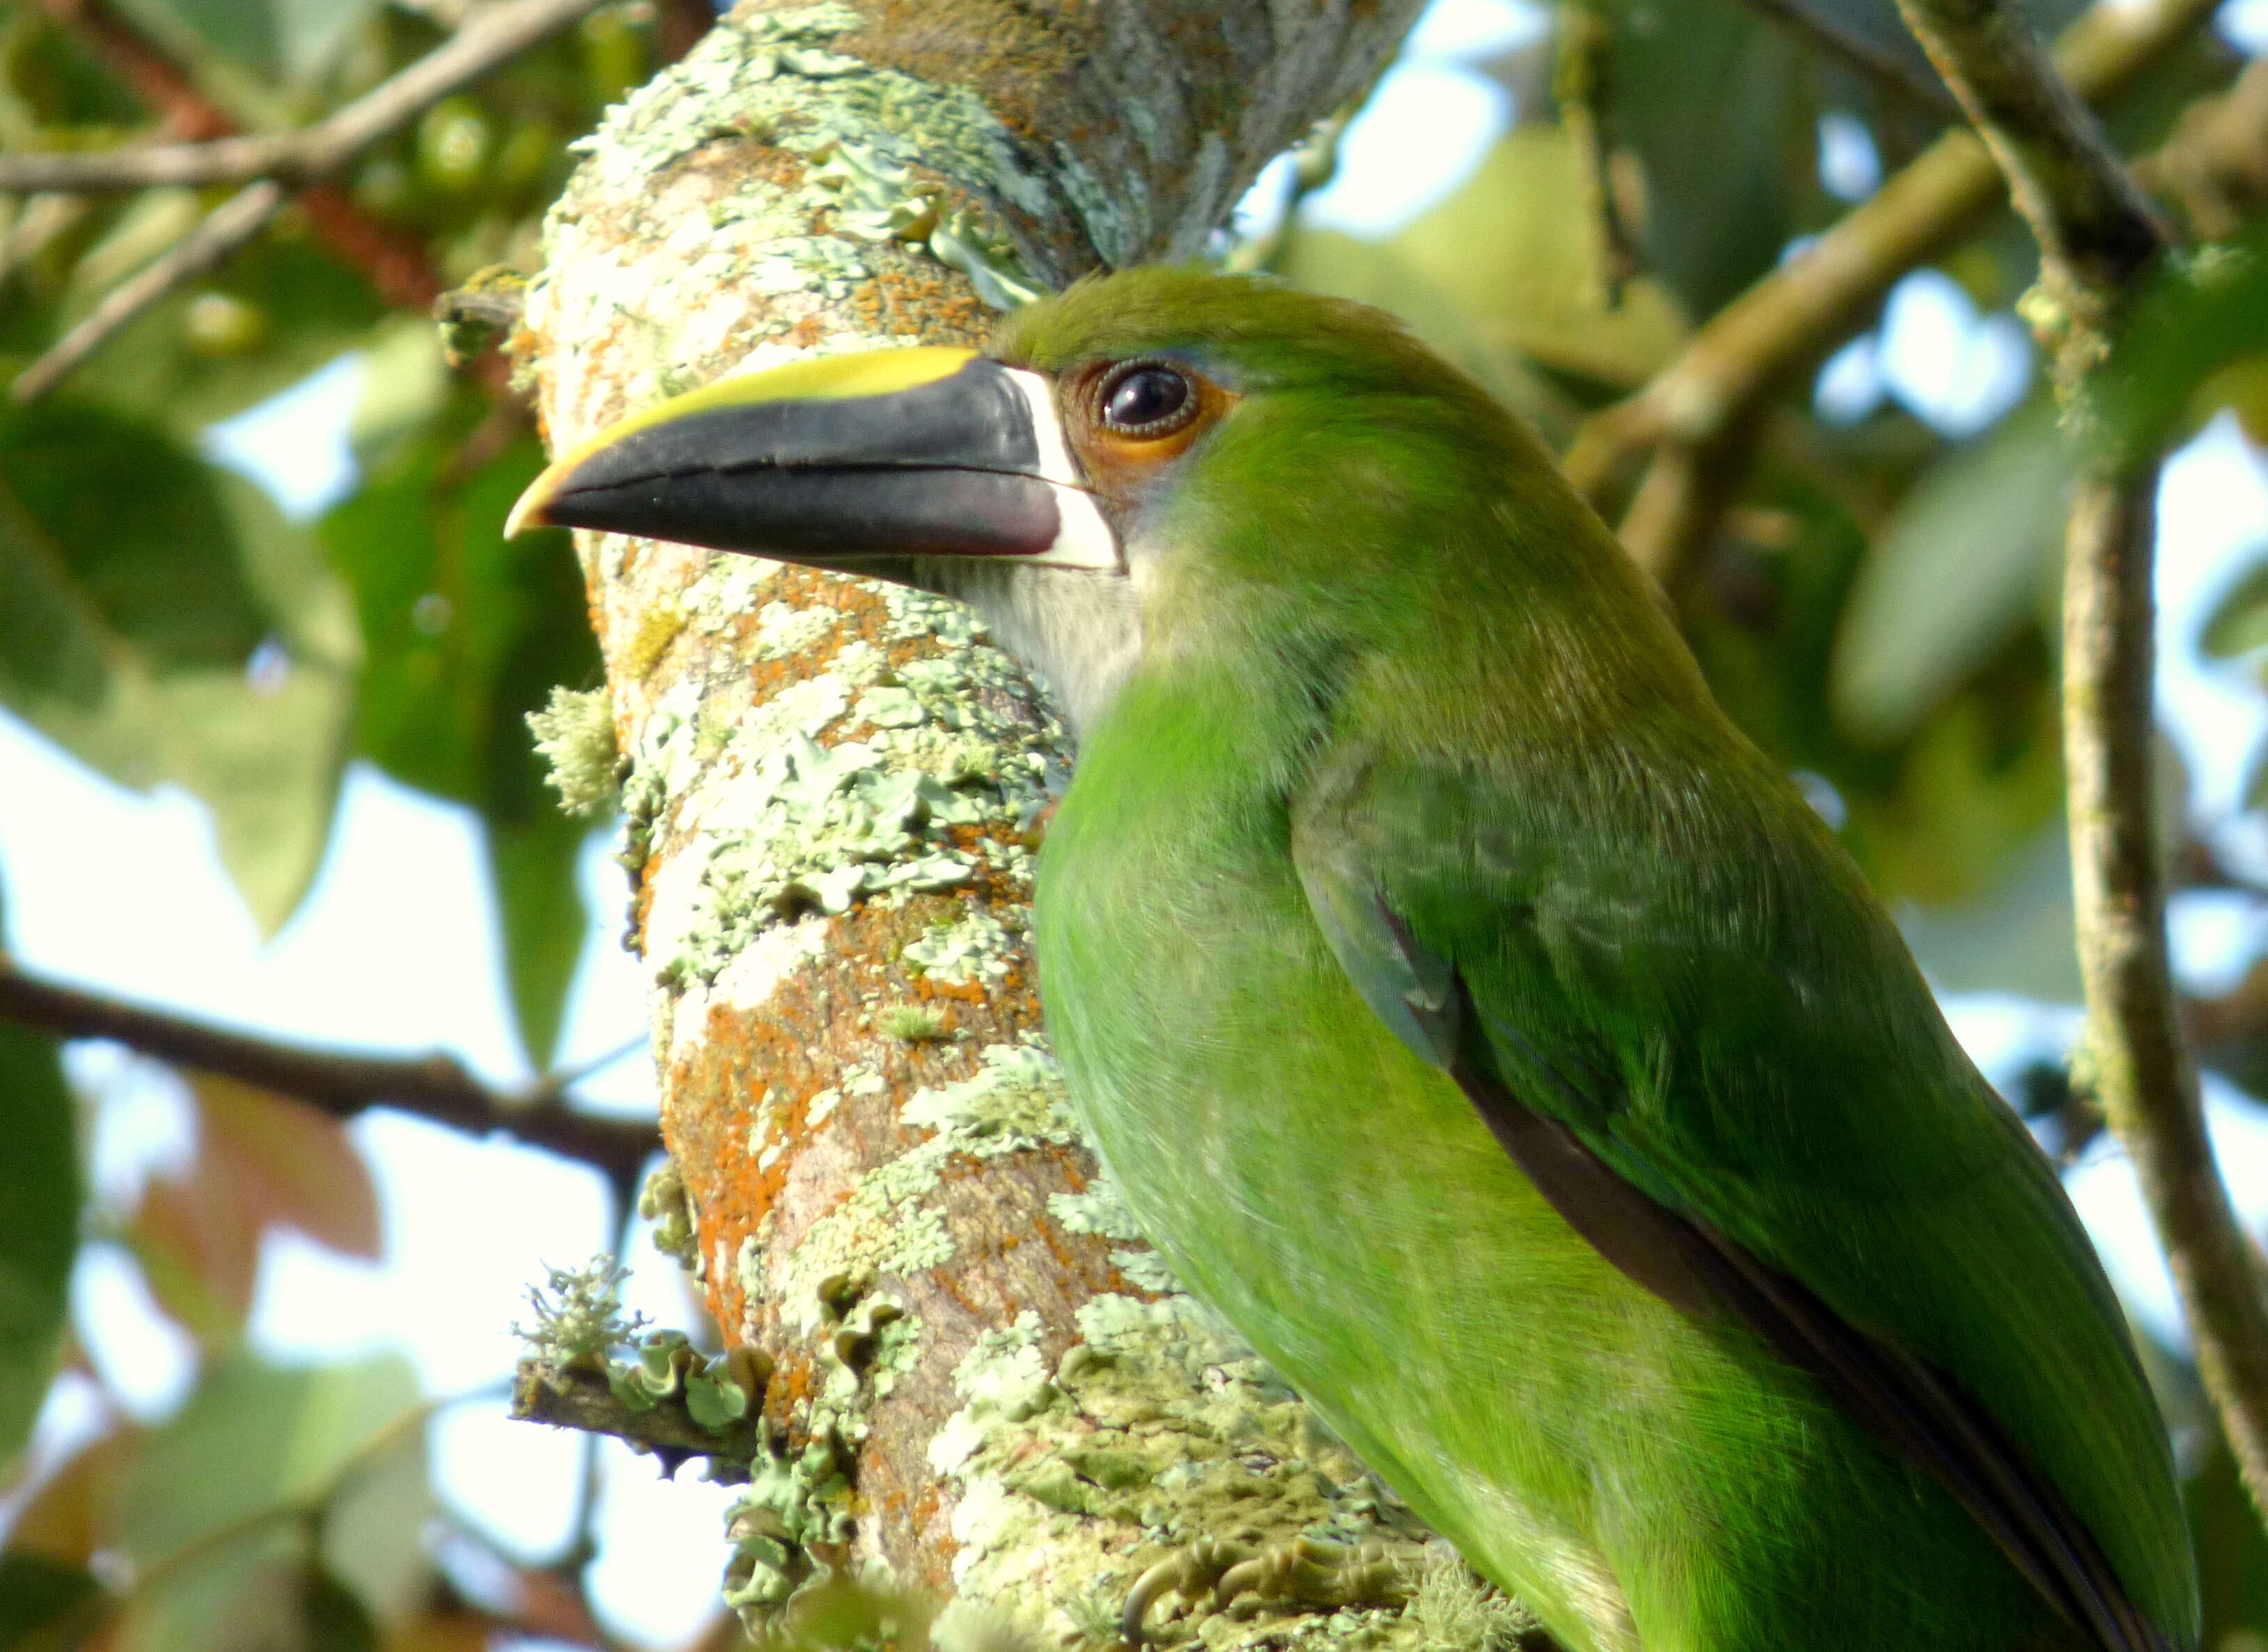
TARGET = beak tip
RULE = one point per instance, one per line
(531, 510)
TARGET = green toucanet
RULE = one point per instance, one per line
(1466, 1008)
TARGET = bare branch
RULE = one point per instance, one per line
(2135, 1061)
(341, 1083)
(2097, 235)
(2094, 225)
(226, 228)
(489, 39)
(393, 260)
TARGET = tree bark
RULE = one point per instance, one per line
(983, 1384)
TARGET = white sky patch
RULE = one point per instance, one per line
(1954, 369)
(295, 444)
(662, 1549)
(1850, 383)
(143, 1357)
(1850, 169)
(1429, 122)
(2243, 24)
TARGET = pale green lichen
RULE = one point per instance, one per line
(859, 128)
(887, 1224)
(1160, 1431)
(579, 1313)
(716, 1393)
(784, 825)
(575, 733)
(975, 947)
(1099, 1210)
(1455, 1608)
(664, 1202)
(913, 1023)
(793, 1518)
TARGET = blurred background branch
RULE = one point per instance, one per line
(279, 161)
(343, 1083)
(2098, 236)
(490, 38)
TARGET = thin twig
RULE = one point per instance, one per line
(2097, 236)
(489, 39)
(341, 1083)
(226, 228)
(2136, 1064)
(2095, 227)
(394, 259)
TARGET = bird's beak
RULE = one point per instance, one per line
(852, 462)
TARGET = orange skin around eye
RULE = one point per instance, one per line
(1119, 465)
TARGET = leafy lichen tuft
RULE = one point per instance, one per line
(666, 1203)
(575, 733)
(579, 1317)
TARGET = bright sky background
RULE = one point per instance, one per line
(398, 944)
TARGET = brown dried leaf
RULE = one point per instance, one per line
(292, 1164)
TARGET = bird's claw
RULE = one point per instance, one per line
(1303, 1571)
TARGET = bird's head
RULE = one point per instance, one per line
(1125, 464)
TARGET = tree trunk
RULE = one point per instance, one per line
(985, 1386)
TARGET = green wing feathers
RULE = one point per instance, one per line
(1669, 971)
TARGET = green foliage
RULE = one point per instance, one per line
(39, 1227)
(1957, 570)
(1717, 212)
(175, 628)
(465, 635)
(266, 1474)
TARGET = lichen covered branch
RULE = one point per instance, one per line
(2095, 227)
(2135, 1061)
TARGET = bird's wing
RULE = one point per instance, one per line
(1703, 1040)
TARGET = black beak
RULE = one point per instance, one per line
(842, 462)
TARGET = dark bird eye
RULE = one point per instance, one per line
(1147, 398)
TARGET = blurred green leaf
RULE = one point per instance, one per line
(224, 1496)
(1374, 273)
(40, 1603)
(406, 386)
(161, 620)
(40, 1195)
(2231, 1551)
(1956, 572)
(2205, 311)
(337, 1621)
(533, 861)
(310, 35)
(465, 634)
(1515, 251)
(1715, 103)
(2018, 937)
(2240, 619)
